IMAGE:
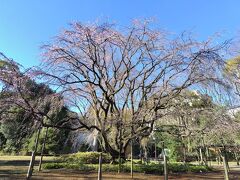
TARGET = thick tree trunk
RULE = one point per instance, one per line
(118, 153)
(108, 148)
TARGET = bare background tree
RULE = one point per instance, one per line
(120, 79)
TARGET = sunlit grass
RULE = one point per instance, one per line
(25, 158)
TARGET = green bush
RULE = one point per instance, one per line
(152, 168)
(81, 167)
(199, 168)
(138, 162)
(59, 165)
(85, 158)
(179, 167)
(53, 165)
(110, 167)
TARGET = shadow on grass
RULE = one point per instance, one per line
(19, 162)
(9, 172)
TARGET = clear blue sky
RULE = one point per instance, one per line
(26, 24)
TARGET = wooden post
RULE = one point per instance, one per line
(119, 164)
(237, 158)
(198, 157)
(210, 157)
(225, 155)
(132, 158)
(165, 163)
(120, 150)
(201, 156)
(100, 167)
(226, 176)
(42, 151)
(184, 150)
(145, 155)
(32, 161)
(141, 154)
(207, 155)
(204, 149)
(155, 150)
(220, 159)
(189, 144)
(165, 166)
(184, 153)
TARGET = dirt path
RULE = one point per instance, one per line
(16, 168)
(137, 176)
(74, 175)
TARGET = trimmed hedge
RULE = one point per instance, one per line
(179, 167)
(85, 158)
(151, 168)
(88, 161)
(59, 165)
(53, 165)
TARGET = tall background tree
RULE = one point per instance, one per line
(27, 106)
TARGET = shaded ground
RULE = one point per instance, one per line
(15, 167)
